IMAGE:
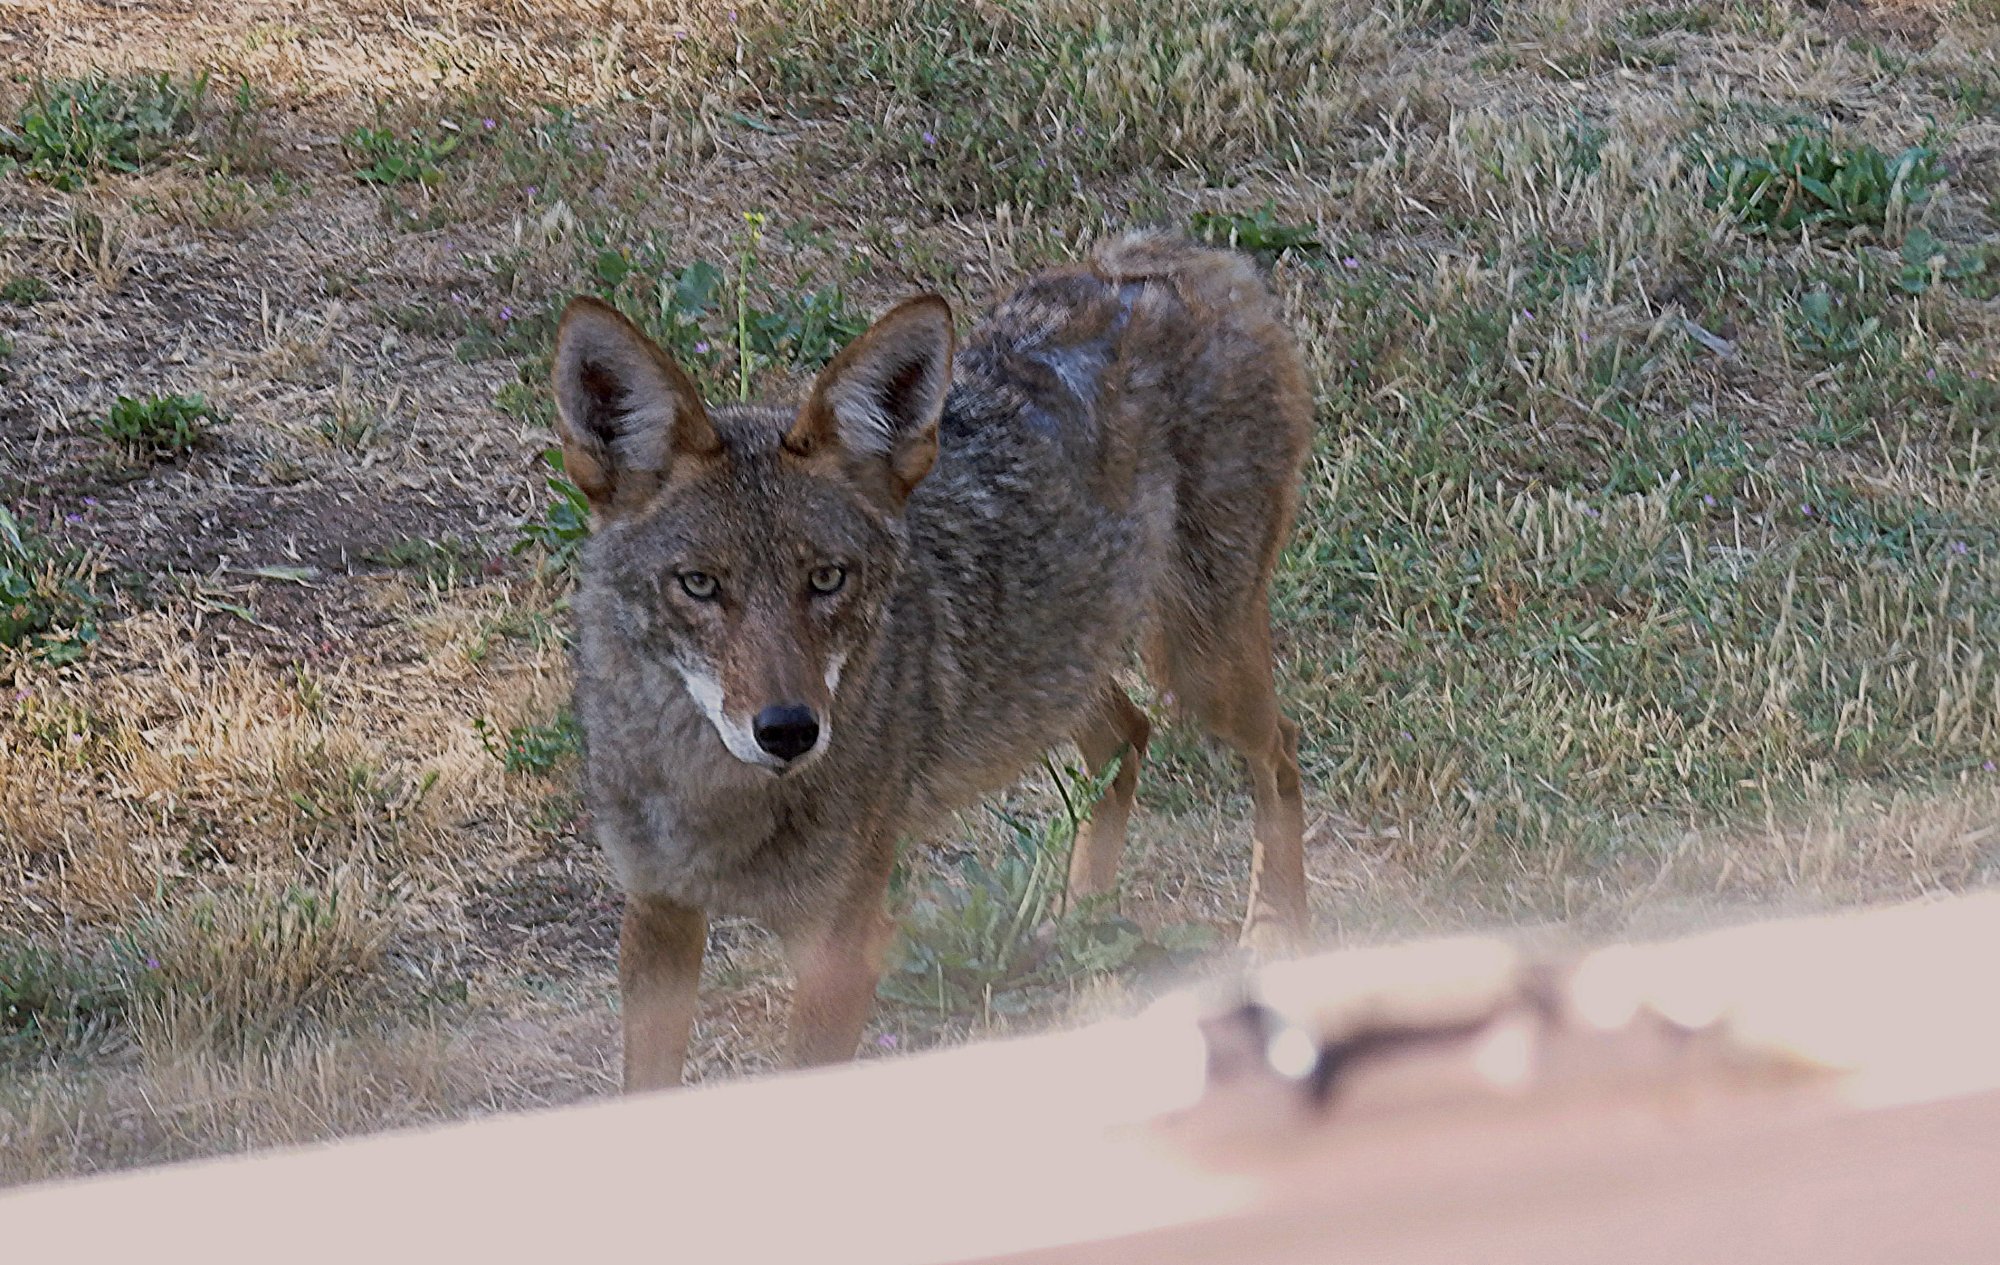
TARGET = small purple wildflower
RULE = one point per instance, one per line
(72, 518)
(1350, 262)
(930, 138)
(1806, 510)
(533, 190)
(488, 124)
(1959, 546)
(1408, 736)
(1527, 315)
(90, 500)
(506, 312)
(152, 963)
(1930, 375)
(22, 693)
(732, 15)
(1988, 766)
(1708, 500)
(701, 349)
(888, 1039)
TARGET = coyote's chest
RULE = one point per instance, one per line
(730, 850)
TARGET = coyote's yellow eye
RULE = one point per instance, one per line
(699, 585)
(828, 579)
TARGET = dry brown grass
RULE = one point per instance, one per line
(283, 888)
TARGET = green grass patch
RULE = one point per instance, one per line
(560, 530)
(238, 141)
(70, 131)
(1260, 233)
(546, 157)
(1647, 23)
(526, 402)
(537, 749)
(442, 564)
(1972, 269)
(725, 327)
(157, 427)
(23, 290)
(56, 1002)
(1832, 326)
(1807, 181)
(385, 155)
(48, 601)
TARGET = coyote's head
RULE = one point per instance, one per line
(753, 547)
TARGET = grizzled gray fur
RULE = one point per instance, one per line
(807, 631)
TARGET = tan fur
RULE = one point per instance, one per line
(805, 633)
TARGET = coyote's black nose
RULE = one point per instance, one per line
(787, 731)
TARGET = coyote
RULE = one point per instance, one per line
(808, 631)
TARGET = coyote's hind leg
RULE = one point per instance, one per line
(1115, 730)
(1233, 693)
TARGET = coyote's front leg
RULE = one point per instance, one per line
(837, 961)
(659, 976)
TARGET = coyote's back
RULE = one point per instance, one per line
(1121, 454)
(806, 632)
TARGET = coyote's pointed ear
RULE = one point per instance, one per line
(877, 405)
(627, 412)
